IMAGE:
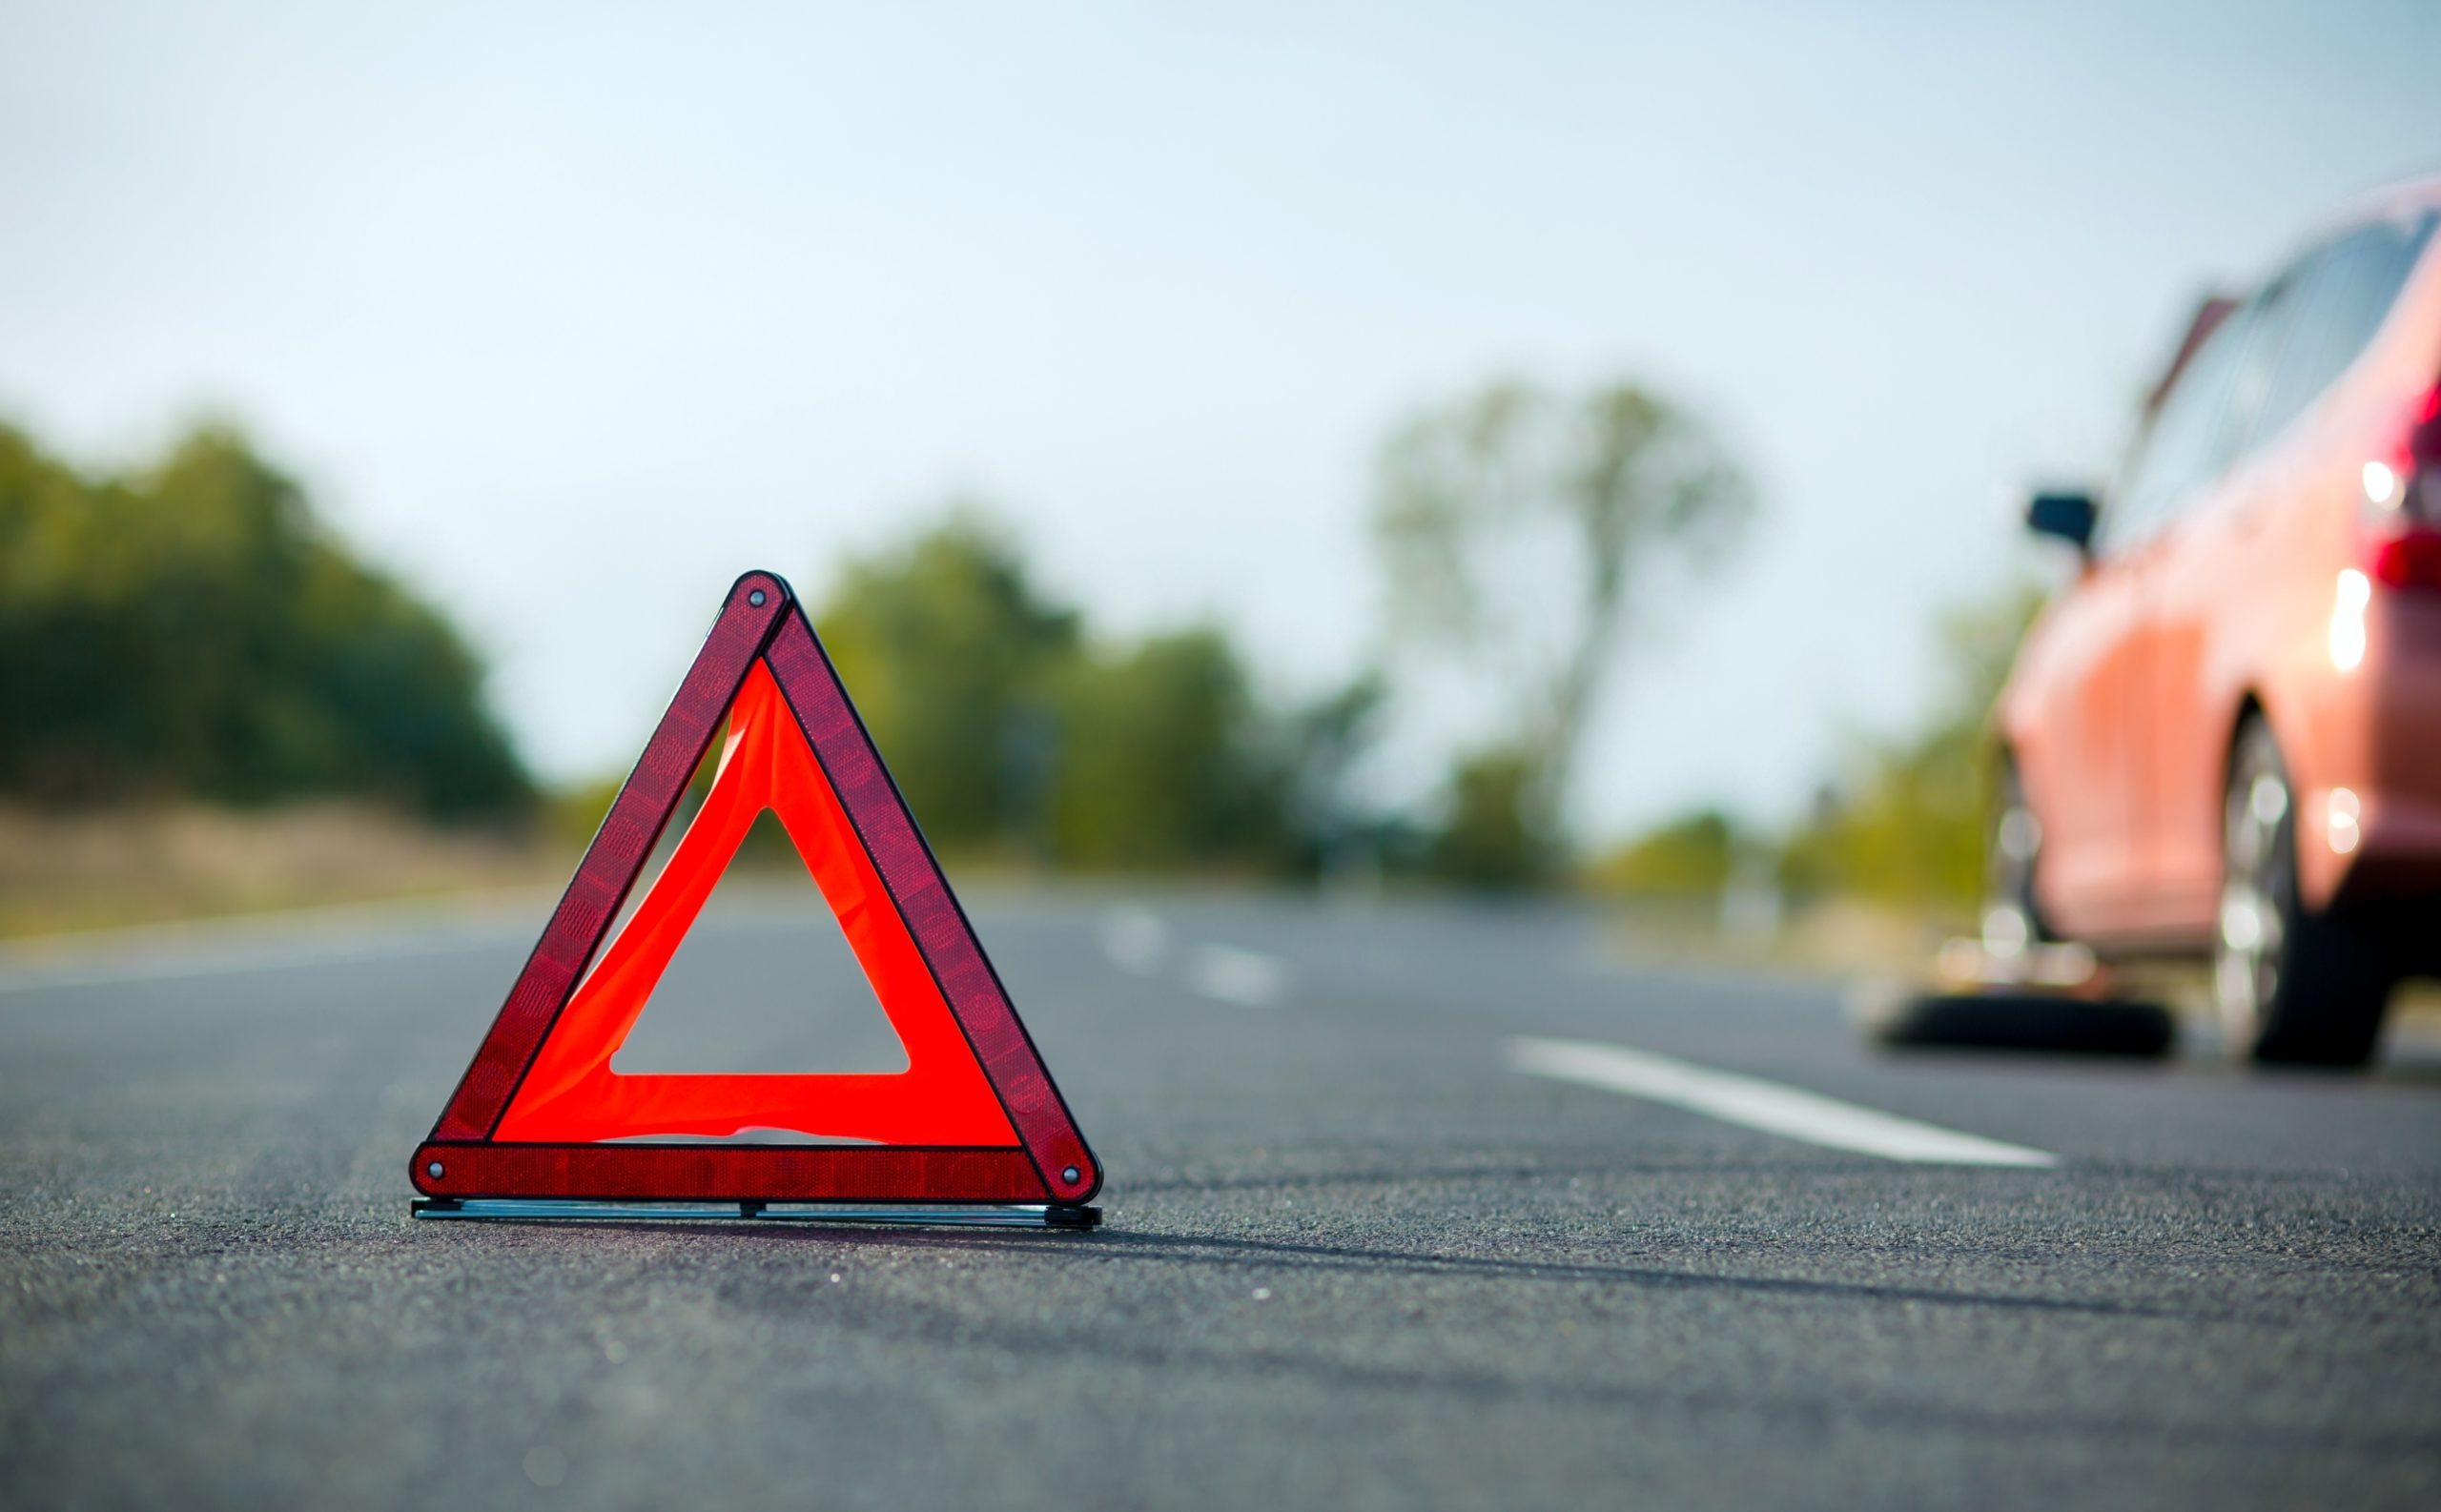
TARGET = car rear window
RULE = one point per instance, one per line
(2269, 360)
(2342, 293)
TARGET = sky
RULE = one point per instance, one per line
(571, 313)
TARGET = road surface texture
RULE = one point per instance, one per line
(1410, 1205)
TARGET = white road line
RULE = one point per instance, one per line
(1135, 939)
(1244, 977)
(1759, 1104)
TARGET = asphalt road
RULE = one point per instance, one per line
(1416, 1205)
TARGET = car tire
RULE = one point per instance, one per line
(2290, 985)
(2012, 845)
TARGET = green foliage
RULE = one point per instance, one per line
(195, 630)
(1495, 836)
(1315, 752)
(1156, 766)
(956, 662)
(1690, 856)
(1908, 831)
(1010, 731)
(1907, 827)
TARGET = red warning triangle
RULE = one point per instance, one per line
(975, 1118)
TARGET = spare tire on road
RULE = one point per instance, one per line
(2017, 1019)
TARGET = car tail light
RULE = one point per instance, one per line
(2403, 503)
(2411, 560)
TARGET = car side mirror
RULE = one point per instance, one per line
(2068, 515)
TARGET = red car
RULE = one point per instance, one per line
(2225, 736)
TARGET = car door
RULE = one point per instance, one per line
(2073, 747)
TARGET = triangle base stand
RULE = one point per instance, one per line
(1013, 1216)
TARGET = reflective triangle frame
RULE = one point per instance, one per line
(464, 1169)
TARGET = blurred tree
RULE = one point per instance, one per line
(956, 661)
(1906, 827)
(1008, 730)
(1492, 837)
(1159, 758)
(1318, 749)
(1519, 532)
(195, 630)
(1690, 856)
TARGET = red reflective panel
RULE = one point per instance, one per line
(571, 1094)
(728, 1173)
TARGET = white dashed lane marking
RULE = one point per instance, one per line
(1134, 940)
(1755, 1103)
(1137, 941)
(1248, 978)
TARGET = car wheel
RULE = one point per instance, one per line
(2290, 985)
(2012, 844)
